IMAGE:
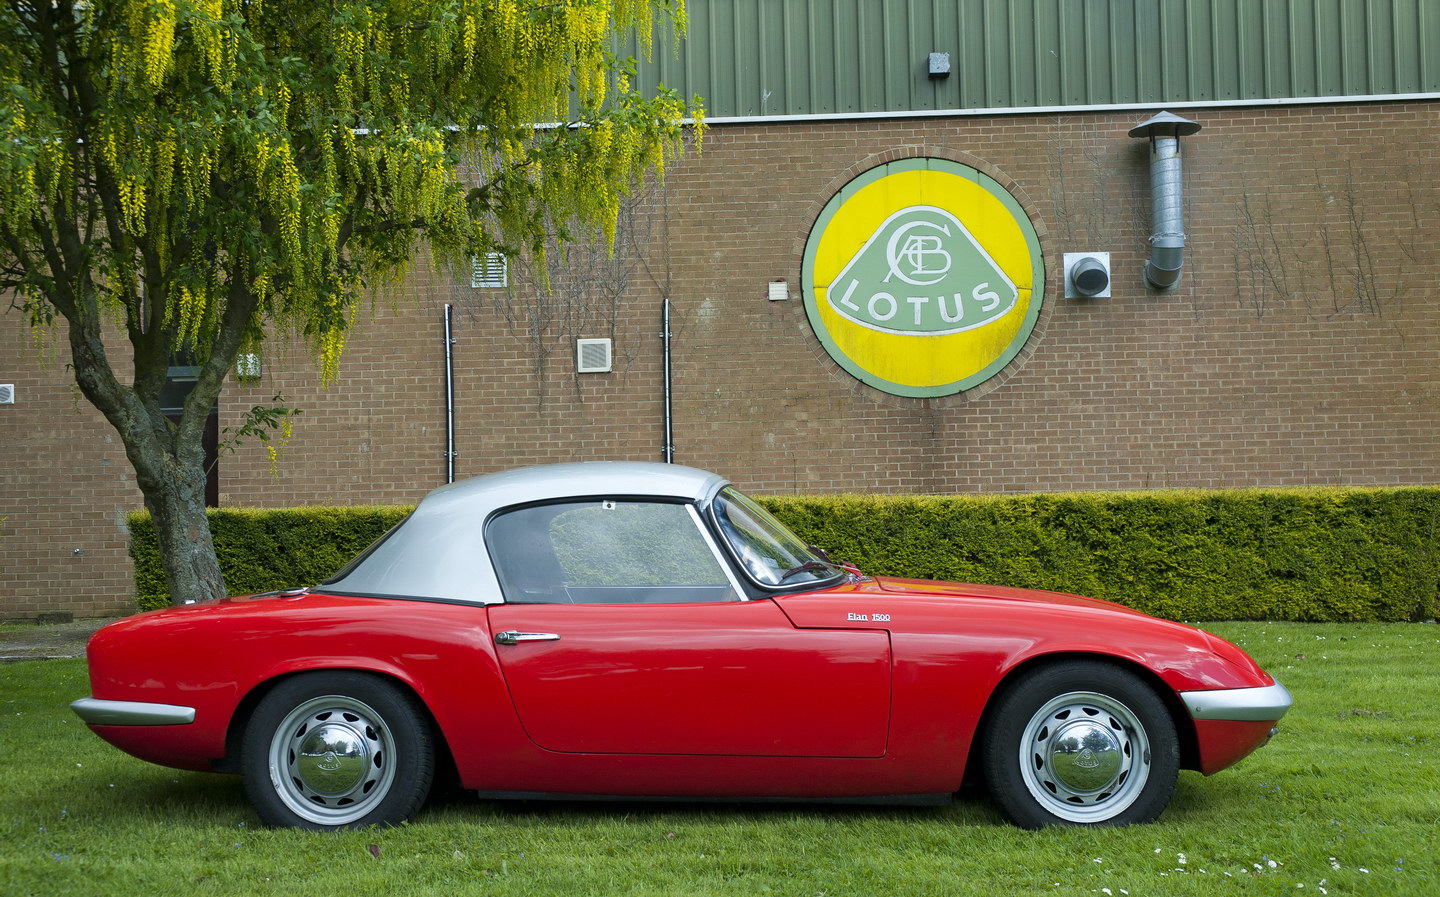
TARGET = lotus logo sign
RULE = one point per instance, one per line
(923, 277)
(917, 250)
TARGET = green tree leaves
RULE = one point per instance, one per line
(205, 173)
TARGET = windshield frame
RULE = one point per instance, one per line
(802, 553)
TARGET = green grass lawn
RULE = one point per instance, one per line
(1346, 800)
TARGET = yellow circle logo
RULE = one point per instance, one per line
(923, 277)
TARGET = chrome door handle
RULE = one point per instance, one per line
(512, 637)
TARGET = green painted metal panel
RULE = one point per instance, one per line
(1305, 70)
(1404, 28)
(1429, 17)
(836, 57)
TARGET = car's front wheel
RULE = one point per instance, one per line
(338, 749)
(1081, 743)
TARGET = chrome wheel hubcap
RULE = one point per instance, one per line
(331, 759)
(1084, 757)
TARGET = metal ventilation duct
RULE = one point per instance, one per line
(1167, 242)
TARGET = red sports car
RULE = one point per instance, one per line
(645, 630)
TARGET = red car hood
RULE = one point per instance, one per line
(931, 589)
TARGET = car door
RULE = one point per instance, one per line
(624, 632)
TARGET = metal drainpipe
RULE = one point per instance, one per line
(449, 393)
(669, 418)
(1167, 243)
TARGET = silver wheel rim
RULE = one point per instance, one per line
(1084, 757)
(332, 760)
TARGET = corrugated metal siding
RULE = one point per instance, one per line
(833, 57)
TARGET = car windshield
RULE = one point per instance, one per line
(765, 547)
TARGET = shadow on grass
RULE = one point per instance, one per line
(456, 806)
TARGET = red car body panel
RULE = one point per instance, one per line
(1223, 743)
(866, 689)
(707, 679)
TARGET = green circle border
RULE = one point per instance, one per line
(923, 163)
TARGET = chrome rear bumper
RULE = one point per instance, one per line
(95, 712)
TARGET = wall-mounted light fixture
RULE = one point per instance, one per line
(939, 65)
(1087, 275)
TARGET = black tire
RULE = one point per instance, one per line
(335, 750)
(1080, 743)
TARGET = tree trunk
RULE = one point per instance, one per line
(192, 571)
(170, 471)
(169, 463)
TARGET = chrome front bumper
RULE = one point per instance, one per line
(1267, 703)
(95, 712)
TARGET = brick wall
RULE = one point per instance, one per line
(65, 488)
(1299, 348)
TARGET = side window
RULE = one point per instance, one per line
(605, 552)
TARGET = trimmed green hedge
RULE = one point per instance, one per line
(261, 550)
(1265, 554)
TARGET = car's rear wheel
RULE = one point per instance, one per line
(1081, 743)
(335, 750)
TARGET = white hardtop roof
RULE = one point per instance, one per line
(438, 552)
(509, 487)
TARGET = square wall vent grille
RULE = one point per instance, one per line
(592, 356)
(489, 271)
(7, 394)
